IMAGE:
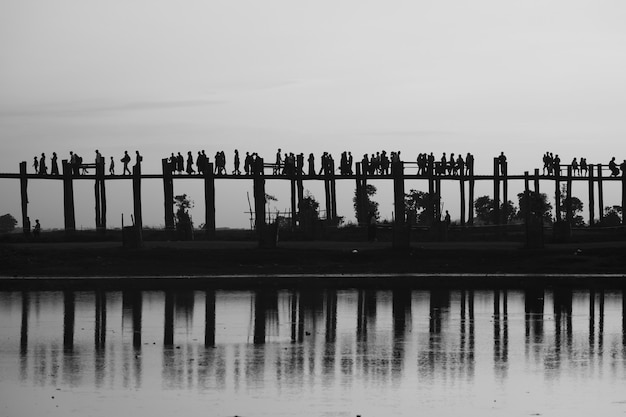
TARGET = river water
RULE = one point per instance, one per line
(315, 353)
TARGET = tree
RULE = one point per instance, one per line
(7, 223)
(183, 220)
(419, 207)
(612, 216)
(577, 207)
(370, 205)
(485, 210)
(537, 204)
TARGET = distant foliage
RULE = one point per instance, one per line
(538, 205)
(7, 223)
(371, 206)
(612, 216)
(485, 210)
(419, 207)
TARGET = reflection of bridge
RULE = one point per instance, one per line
(359, 332)
(596, 177)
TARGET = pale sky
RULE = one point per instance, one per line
(415, 76)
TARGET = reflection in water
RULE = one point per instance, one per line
(386, 348)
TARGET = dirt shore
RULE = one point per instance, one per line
(208, 258)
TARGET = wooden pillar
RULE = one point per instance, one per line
(300, 187)
(209, 328)
(294, 205)
(600, 195)
(327, 195)
(209, 201)
(496, 190)
(168, 194)
(333, 191)
(624, 192)
(505, 189)
(259, 202)
(557, 194)
(462, 185)
(472, 182)
(592, 202)
(437, 199)
(361, 195)
(68, 198)
(401, 233)
(137, 200)
(100, 195)
(569, 216)
(24, 195)
(537, 180)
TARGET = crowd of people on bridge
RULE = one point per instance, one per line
(290, 164)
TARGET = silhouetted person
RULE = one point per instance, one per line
(350, 161)
(446, 219)
(575, 167)
(469, 163)
(613, 167)
(502, 163)
(311, 161)
(36, 165)
(236, 162)
(54, 165)
(43, 169)
(556, 164)
(138, 159)
(125, 160)
(99, 158)
(371, 226)
(37, 228)
(190, 169)
(112, 166)
(583, 166)
(180, 163)
(247, 163)
(278, 162)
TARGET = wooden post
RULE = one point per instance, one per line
(137, 199)
(259, 201)
(400, 235)
(327, 195)
(300, 187)
(462, 185)
(536, 180)
(100, 194)
(333, 191)
(505, 189)
(209, 201)
(496, 190)
(437, 200)
(293, 196)
(624, 192)
(361, 195)
(68, 198)
(557, 194)
(600, 195)
(24, 195)
(569, 216)
(472, 181)
(591, 197)
(168, 194)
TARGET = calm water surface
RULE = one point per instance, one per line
(323, 353)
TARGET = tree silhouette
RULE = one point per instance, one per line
(7, 223)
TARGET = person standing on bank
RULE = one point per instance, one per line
(37, 228)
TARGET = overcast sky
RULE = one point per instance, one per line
(416, 76)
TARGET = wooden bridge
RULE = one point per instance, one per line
(595, 177)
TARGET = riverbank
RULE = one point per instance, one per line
(203, 258)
